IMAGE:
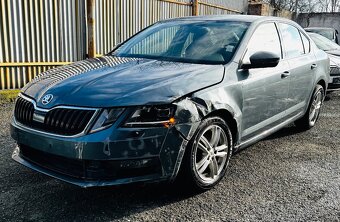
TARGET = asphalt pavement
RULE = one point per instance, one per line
(290, 176)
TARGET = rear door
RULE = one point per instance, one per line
(302, 67)
(265, 90)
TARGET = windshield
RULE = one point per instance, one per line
(324, 43)
(328, 33)
(205, 42)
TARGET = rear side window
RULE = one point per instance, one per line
(306, 44)
(265, 38)
(291, 40)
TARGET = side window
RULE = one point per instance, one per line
(265, 38)
(305, 42)
(291, 40)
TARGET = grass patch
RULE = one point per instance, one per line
(7, 96)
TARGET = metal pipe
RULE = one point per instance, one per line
(91, 28)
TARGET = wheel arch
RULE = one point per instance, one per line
(230, 120)
(322, 82)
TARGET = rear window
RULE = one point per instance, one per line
(291, 40)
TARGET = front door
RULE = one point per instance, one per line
(265, 90)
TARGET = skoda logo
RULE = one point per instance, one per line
(47, 99)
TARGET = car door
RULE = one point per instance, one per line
(265, 90)
(302, 67)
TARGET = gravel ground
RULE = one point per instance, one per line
(291, 176)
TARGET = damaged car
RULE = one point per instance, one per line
(176, 100)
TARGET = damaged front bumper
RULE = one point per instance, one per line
(109, 157)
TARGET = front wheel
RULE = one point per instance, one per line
(313, 111)
(207, 154)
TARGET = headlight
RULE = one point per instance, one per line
(106, 118)
(152, 116)
(335, 70)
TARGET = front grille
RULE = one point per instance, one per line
(66, 166)
(23, 111)
(67, 121)
(62, 121)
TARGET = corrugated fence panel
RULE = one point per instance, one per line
(234, 5)
(39, 31)
(131, 16)
(36, 35)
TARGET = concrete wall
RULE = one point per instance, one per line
(331, 20)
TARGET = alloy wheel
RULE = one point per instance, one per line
(211, 153)
(315, 107)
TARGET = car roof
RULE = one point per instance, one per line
(236, 18)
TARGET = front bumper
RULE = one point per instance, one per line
(109, 157)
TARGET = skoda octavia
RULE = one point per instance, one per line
(173, 101)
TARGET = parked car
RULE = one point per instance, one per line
(174, 101)
(333, 51)
(329, 33)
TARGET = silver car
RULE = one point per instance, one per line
(333, 51)
(174, 101)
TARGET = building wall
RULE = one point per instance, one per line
(265, 9)
(240, 5)
(331, 20)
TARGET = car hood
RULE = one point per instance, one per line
(334, 52)
(119, 81)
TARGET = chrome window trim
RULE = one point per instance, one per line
(56, 107)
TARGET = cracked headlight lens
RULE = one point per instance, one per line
(106, 118)
(152, 116)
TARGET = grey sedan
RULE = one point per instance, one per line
(173, 102)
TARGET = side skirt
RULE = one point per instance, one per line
(266, 133)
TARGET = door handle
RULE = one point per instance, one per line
(314, 66)
(285, 74)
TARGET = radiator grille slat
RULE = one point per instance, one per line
(61, 121)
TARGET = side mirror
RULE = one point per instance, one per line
(262, 60)
(336, 31)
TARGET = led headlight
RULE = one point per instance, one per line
(335, 70)
(152, 116)
(106, 118)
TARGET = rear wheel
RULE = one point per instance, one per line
(313, 111)
(207, 155)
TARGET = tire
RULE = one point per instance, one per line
(203, 165)
(313, 112)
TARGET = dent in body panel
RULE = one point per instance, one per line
(191, 111)
(79, 147)
(226, 97)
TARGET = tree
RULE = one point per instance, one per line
(306, 5)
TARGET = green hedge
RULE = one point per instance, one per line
(7, 96)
